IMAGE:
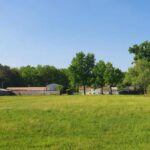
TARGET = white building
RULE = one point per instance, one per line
(92, 91)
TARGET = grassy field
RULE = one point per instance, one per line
(75, 123)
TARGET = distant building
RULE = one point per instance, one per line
(89, 90)
(4, 92)
(92, 91)
(50, 89)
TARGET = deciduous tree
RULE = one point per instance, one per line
(141, 51)
(98, 75)
(81, 69)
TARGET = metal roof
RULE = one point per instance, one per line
(27, 88)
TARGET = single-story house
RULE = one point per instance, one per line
(92, 91)
(50, 89)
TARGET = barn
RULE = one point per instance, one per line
(50, 89)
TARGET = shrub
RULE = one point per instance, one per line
(60, 88)
(69, 91)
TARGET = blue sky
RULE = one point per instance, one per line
(53, 31)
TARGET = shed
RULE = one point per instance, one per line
(52, 87)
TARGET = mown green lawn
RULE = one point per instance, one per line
(75, 123)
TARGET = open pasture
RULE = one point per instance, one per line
(75, 123)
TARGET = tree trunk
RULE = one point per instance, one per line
(110, 90)
(84, 90)
(145, 91)
(101, 91)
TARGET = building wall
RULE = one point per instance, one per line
(36, 92)
(32, 91)
(92, 91)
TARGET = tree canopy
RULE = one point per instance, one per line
(81, 69)
(141, 51)
(139, 75)
(113, 76)
(98, 75)
(32, 76)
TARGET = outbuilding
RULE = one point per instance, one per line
(50, 89)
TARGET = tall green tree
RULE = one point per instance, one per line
(131, 77)
(81, 69)
(98, 75)
(118, 77)
(5, 76)
(113, 76)
(63, 77)
(139, 75)
(143, 69)
(109, 76)
(141, 51)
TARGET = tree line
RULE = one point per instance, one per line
(84, 71)
(32, 76)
